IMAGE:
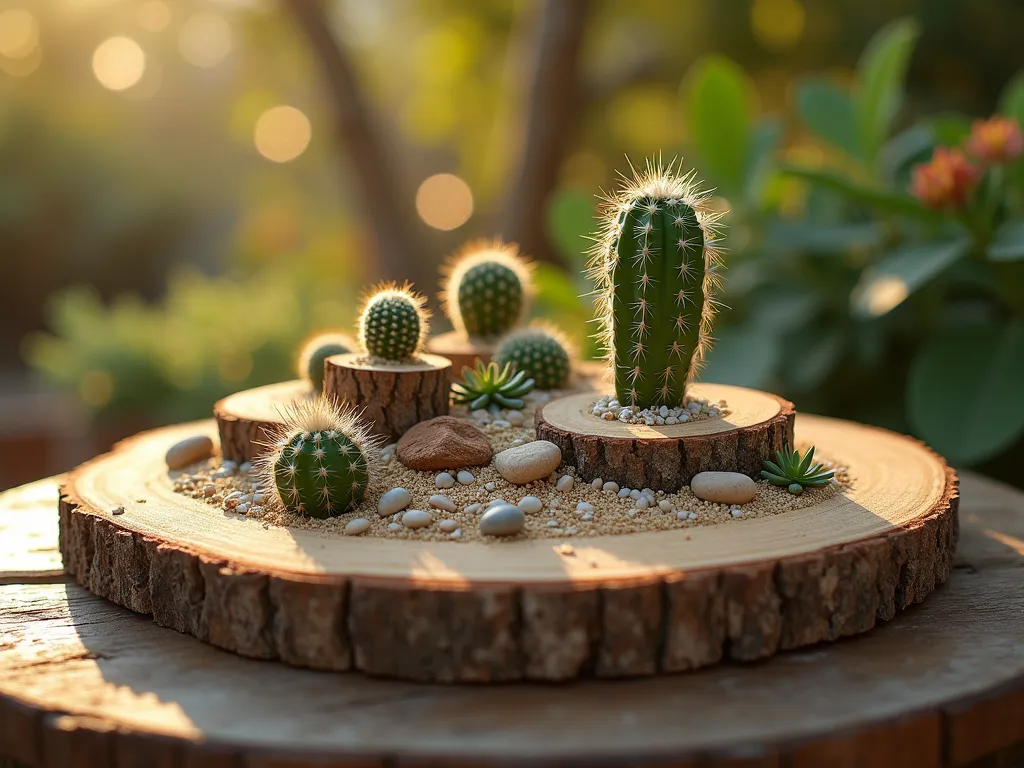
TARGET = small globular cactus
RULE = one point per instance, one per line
(317, 349)
(487, 291)
(321, 462)
(394, 322)
(539, 352)
(656, 262)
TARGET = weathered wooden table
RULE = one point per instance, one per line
(86, 683)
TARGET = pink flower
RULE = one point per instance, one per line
(946, 181)
(996, 141)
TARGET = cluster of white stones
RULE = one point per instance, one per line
(694, 409)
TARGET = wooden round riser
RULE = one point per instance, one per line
(246, 420)
(391, 398)
(627, 605)
(667, 457)
(460, 350)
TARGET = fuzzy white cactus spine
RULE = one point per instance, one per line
(656, 262)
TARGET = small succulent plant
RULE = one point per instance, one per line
(796, 472)
(394, 322)
(492, 387)
(317, 349)
(541, 353)
(655, 263)
(321, 461)
(486, 291)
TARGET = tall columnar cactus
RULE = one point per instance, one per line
(486, 291)
(541, 353)
(656, 263)
(320, 463)
(317, 349)
(394, 322)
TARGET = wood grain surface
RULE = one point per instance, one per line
(86, 683)
(667, 457)
(483, 612)
(247, 419)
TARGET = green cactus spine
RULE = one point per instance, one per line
(321, 462)
(542, 353)
(487, 290)
(317, 349)
(393, 323)
(656, 263)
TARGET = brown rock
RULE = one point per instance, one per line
(444, 443)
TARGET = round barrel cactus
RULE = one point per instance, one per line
(320, 464)
(487, 289)
(394, 322)
(656, 264)
(542, 353)
(317, 349)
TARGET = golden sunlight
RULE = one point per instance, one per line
(884, 294)
(118, 63)
(282, 134)
(444, 201)
(154, 15)
(777, 23)
(205, 39)
(19, 33)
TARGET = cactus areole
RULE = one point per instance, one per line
(656, 265)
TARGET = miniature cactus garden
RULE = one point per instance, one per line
(388, 463)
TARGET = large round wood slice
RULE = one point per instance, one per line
(667, 457)
(394, 397)
(246, 419)
(628, 605)
(460, 350)
(86, 683)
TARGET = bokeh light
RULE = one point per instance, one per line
(884, 294)
(777, 23)
(118, 63)
(19, 33)
(205, 39)
(444, 201)
(154, 15)
(96, 388)
(282, 133)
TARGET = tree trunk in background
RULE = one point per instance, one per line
(553, 106)
(386, 205)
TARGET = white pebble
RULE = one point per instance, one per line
(395, 527)
(242, 508)
(357, 526)
(444, 480)
(610, 487)
(245, 466)
(665, 505)
(584, 506)
(587, 517)
(448, 525)
(505, 520)
(682, 514)
(671, 420)
(229, 466)
(529, 462)
(472, 509)
(516, 418)
(642, 503)
(634, 494)
(457, 533)
(597, 483)
(393, 501)
(489, 486)
(723, 487)
(693, 515)
(693, 407)
(500, 424)
(624, 492)
(565, 483)
(496, 503)
(631, 513)
(553, 503)
(442, 502)
(255, 509)
(551, 523)
(736, 512)
(417, 518)
(530, 504)
(464, 477)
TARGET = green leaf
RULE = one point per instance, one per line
(883, 199)
(963, 392)
(1011, 102)
(763, 145)
(742, 356)
(830, 114)
(1008, 243)
(824, 238)
(570, 219)
(718, 102)
(884, 286)
(881, 72)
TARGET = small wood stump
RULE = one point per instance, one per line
(248, 419)
(666, 457)
(393, 397)
(460, 350)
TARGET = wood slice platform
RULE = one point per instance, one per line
(460, 350)
(667, 457)
(392, 398)
(619, 606)
(246, 419)
(84, 683)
